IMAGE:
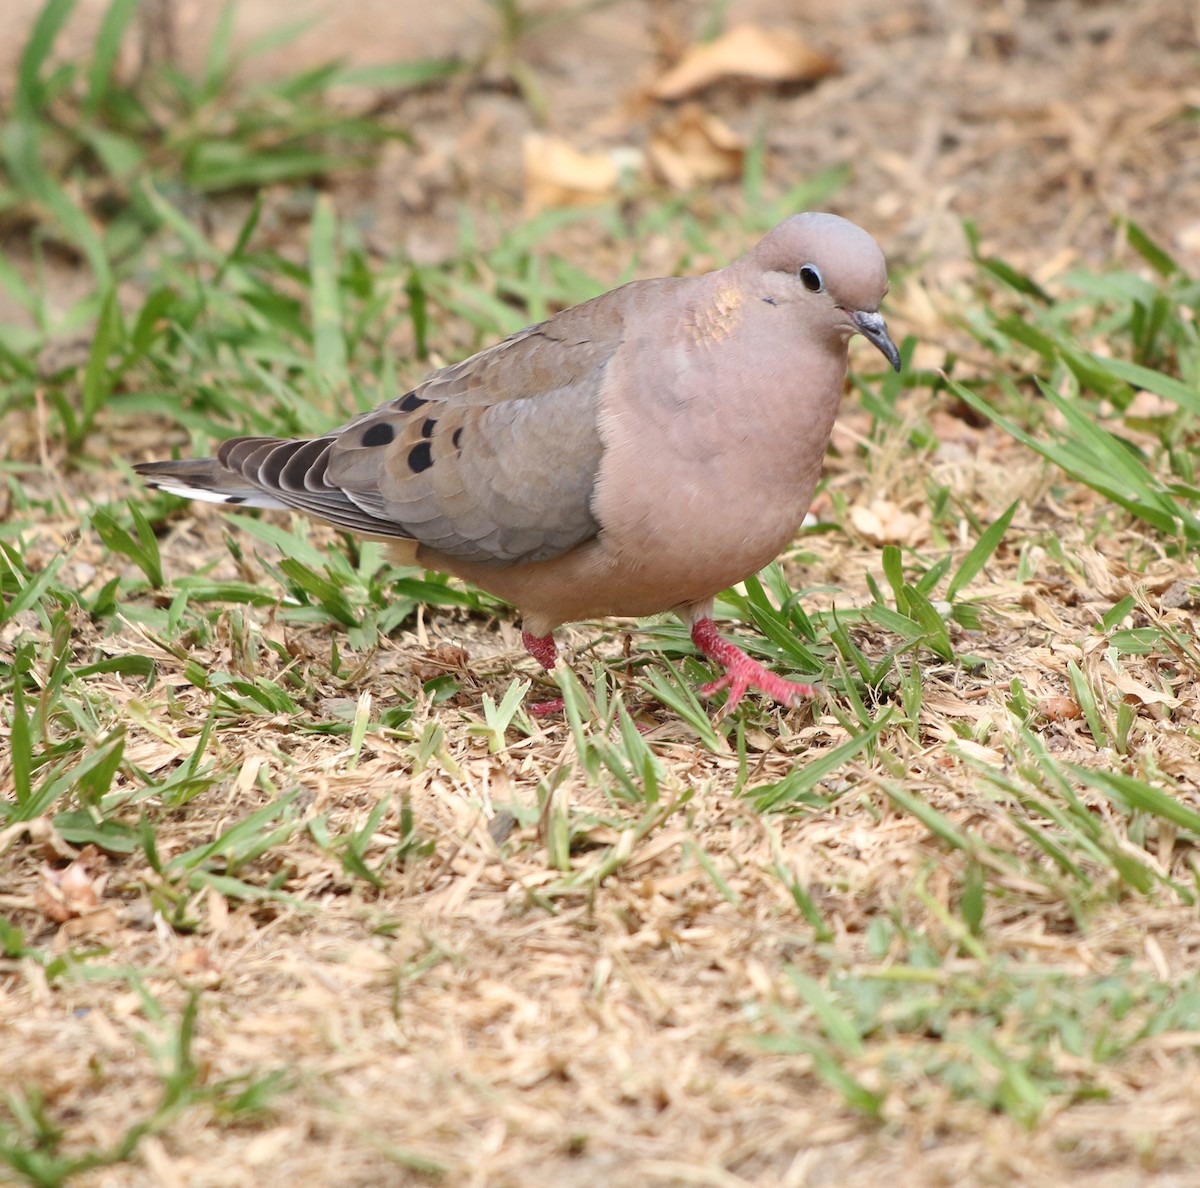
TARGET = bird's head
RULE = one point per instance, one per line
(829, 269)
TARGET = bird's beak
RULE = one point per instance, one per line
(873, 328)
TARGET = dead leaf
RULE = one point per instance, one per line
(440, 660)
(197, 964)
(73, 891)
(745, 52)
(977, 751)
(153, 754)
(102, 921)
(41, 833)
(268, 1148)
(1143, 693)
(883, 522)
(1060, 709)
(558, 174)
(694, 148)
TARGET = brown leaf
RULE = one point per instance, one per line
(558, 174)
(197, 964)
(745, 52)
(440, 660)
(694, 147)
(1060, 709)
(1142, 692)
(72, 891)
(41, 832)
(883, 522)
(100, 921)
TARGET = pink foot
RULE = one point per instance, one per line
(543, 649)
(742, 673)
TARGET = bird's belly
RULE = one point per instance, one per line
(709, 502)
(698, 555)
(671, 535)
(659, 564)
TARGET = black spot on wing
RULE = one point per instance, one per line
(429, 426)
(379, 434)
(411, 402)
(420, 457)
(457, 438)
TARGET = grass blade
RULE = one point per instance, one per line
(329, 344)
(798, 785)
(983, 548)
(27, 102)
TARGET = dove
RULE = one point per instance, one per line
(634, 454)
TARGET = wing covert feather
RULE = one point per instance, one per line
(492, 460)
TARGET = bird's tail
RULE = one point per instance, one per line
(207, 480)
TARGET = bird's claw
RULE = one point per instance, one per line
(789, 693)
(743, 673)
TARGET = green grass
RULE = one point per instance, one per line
(1141, 461)
(32, 1143)
(137, 683)
(898, 1038)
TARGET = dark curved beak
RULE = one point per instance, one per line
(874, 329)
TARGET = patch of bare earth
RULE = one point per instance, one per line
(484, 1014)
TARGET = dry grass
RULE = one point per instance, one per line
(520, 973)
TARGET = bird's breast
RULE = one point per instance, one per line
(708, 479)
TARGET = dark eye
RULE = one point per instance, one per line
(810, 278)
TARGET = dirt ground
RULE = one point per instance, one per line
(1038, 120)
(599, 1044)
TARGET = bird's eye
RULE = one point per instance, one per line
(810, 278)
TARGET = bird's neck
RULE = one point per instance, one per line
(716, 311)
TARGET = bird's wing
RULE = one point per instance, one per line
(492, 460)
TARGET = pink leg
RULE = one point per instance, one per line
(742, 673)
(543, 649)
